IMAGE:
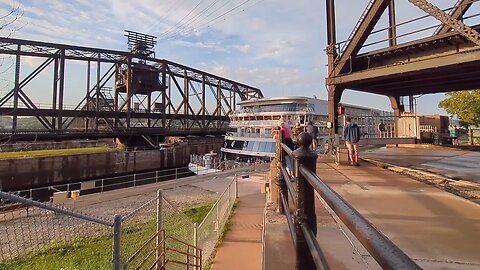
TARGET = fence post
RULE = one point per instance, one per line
(305, 211)
(217, 223)
(176, 172)
(236, 186)
(195, 244)
(117, 230)
(101, 187)
(134, 178)
(156, 176)
(159, 228)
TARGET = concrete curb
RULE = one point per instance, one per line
(457, 187)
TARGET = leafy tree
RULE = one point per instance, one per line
(464, 104)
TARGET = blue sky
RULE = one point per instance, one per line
(277, 46)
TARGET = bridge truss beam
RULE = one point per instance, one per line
(186, 98)
(446, 61)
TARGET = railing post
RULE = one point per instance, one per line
(159, 228)
(305, 204)
(117, 230)
(279, 181)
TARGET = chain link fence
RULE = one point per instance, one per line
(212, 226)
(39, 235)
(51, 236)
(138, 236)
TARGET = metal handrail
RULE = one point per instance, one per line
(291, 225)
(384, 251)
(303, 228)
(318, 257)
(288, 182)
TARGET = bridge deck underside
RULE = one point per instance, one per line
(447, 62)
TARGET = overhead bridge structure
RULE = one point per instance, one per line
(119, 94)
(446, 56)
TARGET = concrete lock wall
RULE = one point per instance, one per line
(24, 173)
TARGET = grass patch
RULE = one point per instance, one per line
(54, 152)
(91, 253)
(197, 214)
(96, 252)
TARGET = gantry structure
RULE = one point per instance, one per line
(447, 59)
(125, 93)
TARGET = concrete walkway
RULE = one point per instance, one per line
(242, 246)
(435, 228)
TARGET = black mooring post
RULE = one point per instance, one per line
(305, 211)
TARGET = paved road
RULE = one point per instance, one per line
(455, 164)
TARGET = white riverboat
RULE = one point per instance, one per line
(250, 136)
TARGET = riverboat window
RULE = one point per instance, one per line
(250, 146)
(262, 146)
(256, 146)
(276, 117)
(268, 131)
(238, 145)
(272, 148)
(245, 145)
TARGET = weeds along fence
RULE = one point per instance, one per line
(156, 235)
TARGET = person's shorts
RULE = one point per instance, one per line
(352, 147)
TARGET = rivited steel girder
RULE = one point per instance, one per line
(457, 12)
(448, 20)
(360, 33)
(148, 93)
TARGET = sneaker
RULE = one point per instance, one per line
(356, 164)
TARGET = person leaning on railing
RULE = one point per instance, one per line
(286, 139)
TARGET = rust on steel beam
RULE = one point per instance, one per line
(392, 25)
(457, 13)
(204, 106)
(360, 34)
(446, 19)
(16, 91)
(61, 91)
(45, 49)
(403, 68)
(331, 56)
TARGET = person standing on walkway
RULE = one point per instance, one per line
(313, 131)
(351, 134)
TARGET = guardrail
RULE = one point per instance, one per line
(296, 199)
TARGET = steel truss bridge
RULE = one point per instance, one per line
(447, 60)
(125, 94)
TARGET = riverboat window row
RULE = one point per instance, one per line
(250, 146)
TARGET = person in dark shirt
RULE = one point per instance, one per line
(351, 134)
